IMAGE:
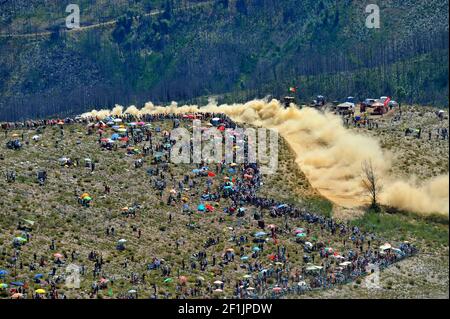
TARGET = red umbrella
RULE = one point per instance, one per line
(221, 128)
(124, 139)
(211, 174)
(277, 289)
(209, 208)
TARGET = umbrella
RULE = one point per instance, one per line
(299, 230)
(132, 291)
(29, 222)
(211, 174)
(247, 276)
(201, 208)
(40, 291)
(3, 286)
(256, 249)
(277, 289)
(58, 255)
(260, 234)
(200, 278)
(168, 280)
(300, 235)
(3, 272)
(218, 282)
(117, 120)
(122, 241)
(244, 258)
(38, 276)
(218, 291)
(16, 283)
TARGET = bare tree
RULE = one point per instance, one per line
(371, 183)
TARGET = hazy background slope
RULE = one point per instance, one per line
(235, 49)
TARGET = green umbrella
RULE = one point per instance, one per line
(167, 280)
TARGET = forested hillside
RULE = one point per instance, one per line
(234, 49)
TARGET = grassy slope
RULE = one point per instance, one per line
(59, 217)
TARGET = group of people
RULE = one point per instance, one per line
(321, 266)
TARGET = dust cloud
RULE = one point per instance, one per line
(330, 155)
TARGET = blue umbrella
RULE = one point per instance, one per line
(201, 208)
(260, 234)
(3, 272)
(115, 137)
(38, 276)
(282, 206)
(256, 249)
(16, 283)
(244, 258)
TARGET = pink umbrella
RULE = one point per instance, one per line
(58, 255)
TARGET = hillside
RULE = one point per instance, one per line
(63, 232)
(233, 49)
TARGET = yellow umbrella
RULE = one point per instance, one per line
(40, 291)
